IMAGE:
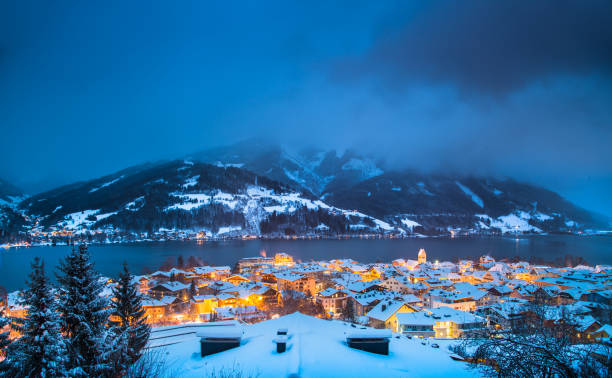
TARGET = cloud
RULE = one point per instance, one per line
(491, 47)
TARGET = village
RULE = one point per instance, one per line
(413, 297)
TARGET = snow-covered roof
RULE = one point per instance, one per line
(317, 348)
(289, 276)
(151, 302)
(385, 309)
(171, 286)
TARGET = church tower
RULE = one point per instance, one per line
(422, 256)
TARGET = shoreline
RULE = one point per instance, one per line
(8, 246)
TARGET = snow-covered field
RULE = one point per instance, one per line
(315, 348)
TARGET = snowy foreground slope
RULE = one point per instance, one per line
(316, 348)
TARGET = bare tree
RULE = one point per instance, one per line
(542, 345)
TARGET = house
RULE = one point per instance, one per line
(332, 300)
(585, 326)
(603, 297)
(283, 259)
(363, 302)
(244, 313)
(237, 279)
(159, 310)
(383, 315)
(505, 314)
(266, 297)
(603, 334)
(295, 282)
(211, 272)
(399, 283)
(452, 323)
(172, 288)
(204, 304)
(460, 300)
(173, 274)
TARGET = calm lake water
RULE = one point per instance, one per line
(15, 263)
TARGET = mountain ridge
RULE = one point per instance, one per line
(256, 189)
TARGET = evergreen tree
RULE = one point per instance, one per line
(84, 315)
(348, 312)
(132, 332)
(5, 341)
(40, 351)
(193, 289)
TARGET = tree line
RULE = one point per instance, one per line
(74, 329)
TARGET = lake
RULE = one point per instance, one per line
(15, 263)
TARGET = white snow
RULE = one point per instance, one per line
(106, 184)
(315, 348)
(410, 223)
(366, 167)
(104, 216)
(227, 229)
(542, 217)
(191, 181)
(497, 192)
(73, 220)
(229, 165)
(57, 208)
(136, 204)
(79, 220)
(278, 209)
(294, 176)
(384, 225)
(13, 201)
(193, 201)
(513, 222)
(226, 199)
(259, 201)
(477, 200)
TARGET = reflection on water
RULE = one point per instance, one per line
(15, 263)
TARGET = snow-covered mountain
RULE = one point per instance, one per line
(407, 199)
(256, 188)
(437, 202)
(314, 170)
(187, 195)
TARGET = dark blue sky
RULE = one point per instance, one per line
(505, 88)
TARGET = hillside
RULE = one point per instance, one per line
(437, 202)
(12, 221)
(430, 203)
(261, 189)
(186, 195)
(314, 170)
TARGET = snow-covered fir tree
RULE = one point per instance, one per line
(40, 351)
(5, 341)
(132, 332)
(5, 323)
(84, 315)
